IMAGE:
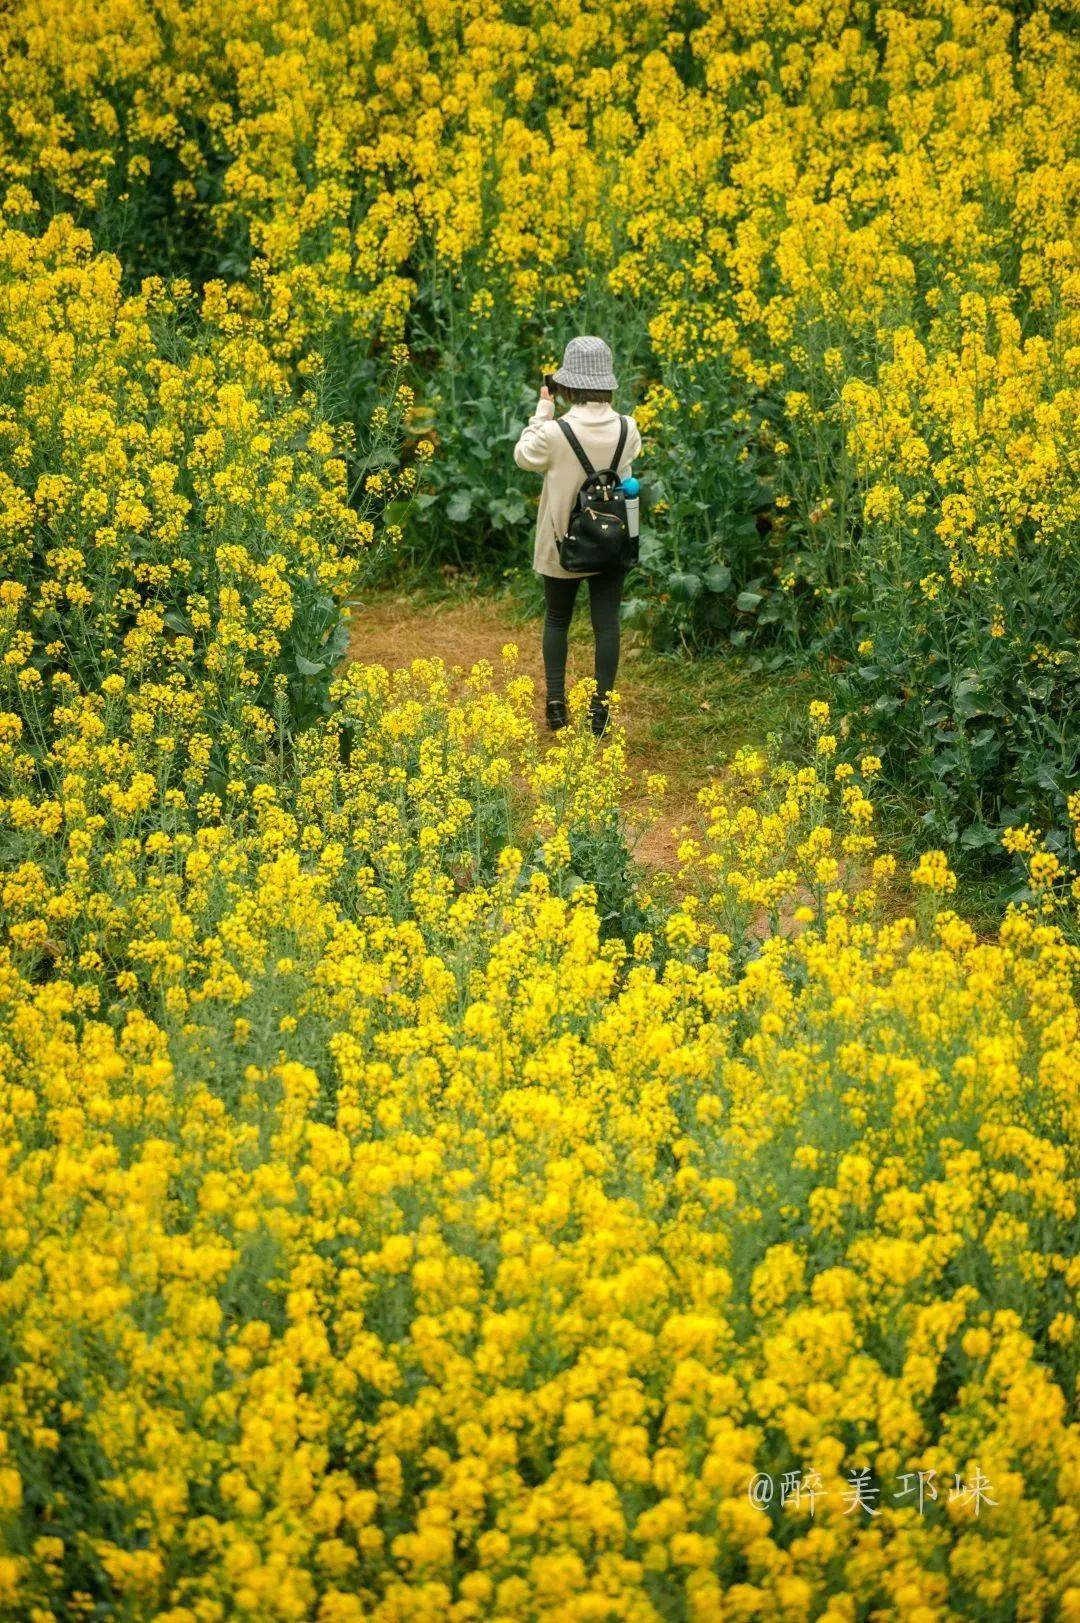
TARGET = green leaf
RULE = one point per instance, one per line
(336, 644)
(309, 667)
(717, 577)
(966, 698)
(747, 602)
(685, 585)
(507, 511)
(395, 511)
(380, 457)
(977, 836)
(459, 506)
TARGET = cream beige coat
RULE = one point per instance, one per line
(543, 448)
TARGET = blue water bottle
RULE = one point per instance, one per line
(631, 490)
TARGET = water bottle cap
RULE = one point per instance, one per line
(630, 486)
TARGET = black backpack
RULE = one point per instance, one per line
(598, 535)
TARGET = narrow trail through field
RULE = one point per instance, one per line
(681, 717)
(394, 630)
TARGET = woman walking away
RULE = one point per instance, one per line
(586, 380)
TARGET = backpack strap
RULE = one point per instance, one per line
(575, 446)
(622, 442)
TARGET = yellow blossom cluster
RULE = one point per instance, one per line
(383, 1239)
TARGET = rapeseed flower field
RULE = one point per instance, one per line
(835, 246)
(409, 1208)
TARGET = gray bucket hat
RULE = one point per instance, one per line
(587, 364)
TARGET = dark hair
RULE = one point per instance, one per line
(576, 396)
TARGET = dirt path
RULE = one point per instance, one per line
(393, 631)
(681, 718)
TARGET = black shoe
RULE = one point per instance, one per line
(556, 714)
(598, 718)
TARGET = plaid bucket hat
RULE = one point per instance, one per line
(587, 364)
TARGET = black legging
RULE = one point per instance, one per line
(605, 595)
